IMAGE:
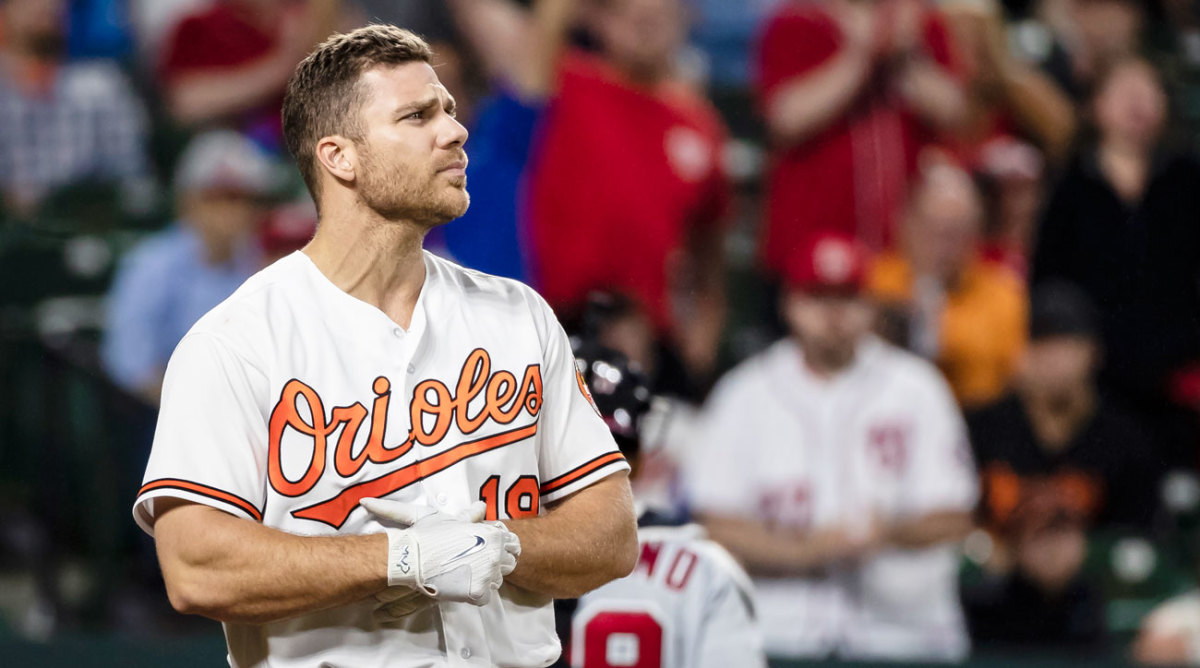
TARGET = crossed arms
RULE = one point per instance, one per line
(235, 570)
(769, 552)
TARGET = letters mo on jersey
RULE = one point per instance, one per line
(434, 408)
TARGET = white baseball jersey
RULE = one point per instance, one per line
(292, 400)
(687, 604)
(882, 440)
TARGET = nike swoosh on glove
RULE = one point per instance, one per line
(446, 556)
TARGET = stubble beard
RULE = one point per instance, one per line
(429, 203)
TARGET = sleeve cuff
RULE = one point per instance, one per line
(190, 491)
(582, 476)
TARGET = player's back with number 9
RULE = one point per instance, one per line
(687, 604)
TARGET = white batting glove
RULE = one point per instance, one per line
(447, 556)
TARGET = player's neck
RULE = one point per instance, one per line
(380, 263)
(826, 363)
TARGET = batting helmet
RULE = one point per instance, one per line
(620, 391)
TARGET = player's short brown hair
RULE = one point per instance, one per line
(323, 96)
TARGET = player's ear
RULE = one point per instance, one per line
(337, 155)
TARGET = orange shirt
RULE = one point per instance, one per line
(983, 323)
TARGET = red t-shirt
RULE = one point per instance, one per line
(852, 176)
(620, 176)
(219, 39)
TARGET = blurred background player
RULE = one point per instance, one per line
(687, 604)
(836, 468)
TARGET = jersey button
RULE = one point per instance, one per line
(465, 653)
(398, 333)
(441, 499)
(412, 369)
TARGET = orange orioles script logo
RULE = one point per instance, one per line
(433, 410)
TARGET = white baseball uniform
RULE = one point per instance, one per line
(687, 604)
(292, 400)
(882, 440)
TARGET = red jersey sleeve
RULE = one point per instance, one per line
(795, 41)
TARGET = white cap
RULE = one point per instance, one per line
(226, 160)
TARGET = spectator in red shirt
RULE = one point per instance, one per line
(231, 62)
(627, 188)
(851, 91)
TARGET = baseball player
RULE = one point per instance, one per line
(835, 467)
(687, 604)
(369, 456)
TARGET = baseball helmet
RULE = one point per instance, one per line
(619, 391)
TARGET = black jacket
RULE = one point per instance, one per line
(1139, 262)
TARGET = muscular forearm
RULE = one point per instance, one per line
(1041, 109)
(932, 94)
(551, 21)
(201, 97)
(518, 45)
(776, 553)
(930, 529)
(235, 570)
(585, 541)
(809, 104)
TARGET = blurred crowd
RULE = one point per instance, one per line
(916, 284)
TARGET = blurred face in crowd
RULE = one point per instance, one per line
(828, 326)
(410, 159)
(1130, 105)
(642, 37)
(223, 218)
(1055, 369)
(34, 26)
(944, 222)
